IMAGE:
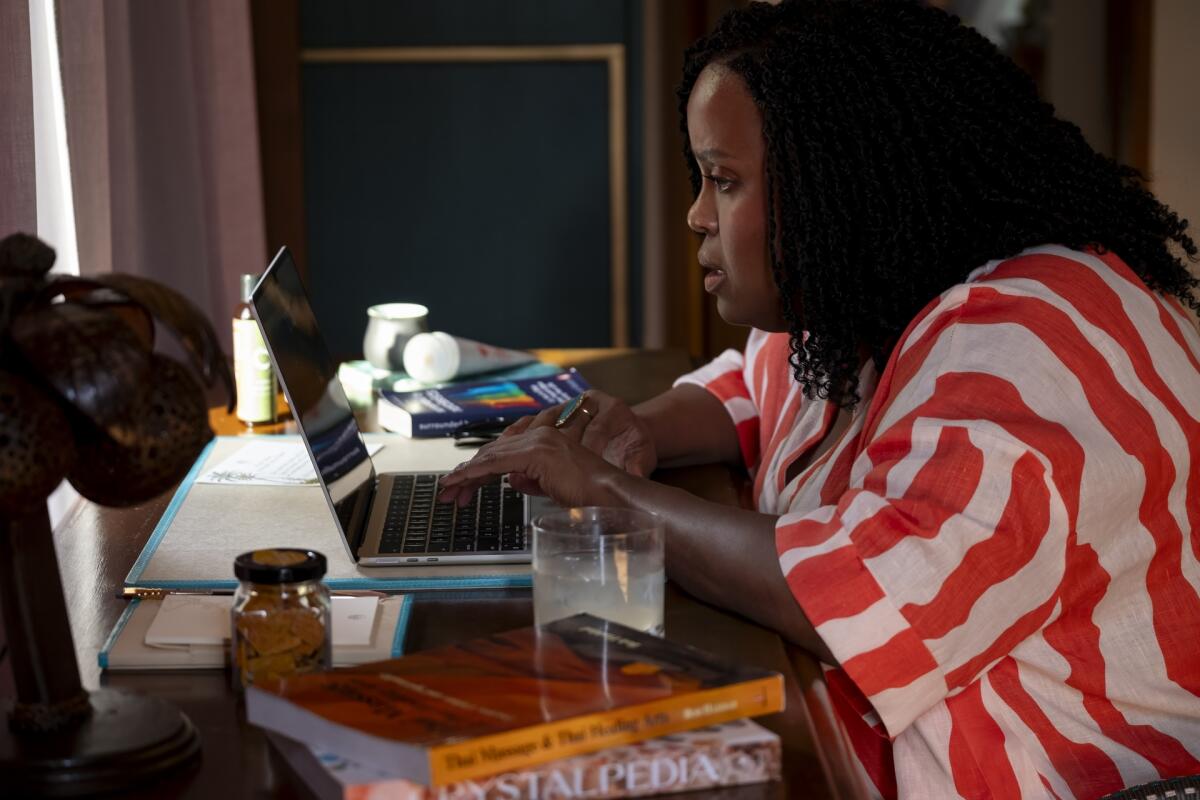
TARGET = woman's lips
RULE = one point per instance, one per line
(713, 278)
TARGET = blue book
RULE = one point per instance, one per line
(362, 382)
(498, 401)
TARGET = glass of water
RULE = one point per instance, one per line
(607, 562)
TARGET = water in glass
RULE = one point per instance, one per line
(609, 585)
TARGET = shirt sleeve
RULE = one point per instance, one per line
(725, 378)
(949, 546)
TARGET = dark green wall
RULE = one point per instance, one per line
(479, 189)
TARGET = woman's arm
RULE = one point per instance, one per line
(723, 555)
(689, 425)
(685, 425)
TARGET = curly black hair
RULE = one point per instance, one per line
(903, 150)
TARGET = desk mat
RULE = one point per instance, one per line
(206, 526)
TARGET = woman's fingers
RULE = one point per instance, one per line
(620, 438)
(541, 461)
(516, 451)
(453, 494)
(591, 424)
(520, 426)
(524, 485)
(598, 432)
(596, 406)
(543, 419)
(492, 460)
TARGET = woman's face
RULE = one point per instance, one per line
(725, 131)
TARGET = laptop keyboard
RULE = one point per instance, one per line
(493, 521)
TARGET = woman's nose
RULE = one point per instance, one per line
(700, 217)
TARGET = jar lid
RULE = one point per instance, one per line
(279, 565)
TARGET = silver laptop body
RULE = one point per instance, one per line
(389, 519)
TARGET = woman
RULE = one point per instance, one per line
(970, 401)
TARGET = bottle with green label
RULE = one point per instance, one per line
(256, 387)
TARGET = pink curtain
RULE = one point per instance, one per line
(18, 199)
(163, 136)
(163, 141)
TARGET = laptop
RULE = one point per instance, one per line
(390, 519)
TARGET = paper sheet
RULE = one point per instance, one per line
(259, 463)
(196, 619)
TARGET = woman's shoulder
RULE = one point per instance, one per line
(1049, 284)
(1048, 321)
(1050, 329)
(1054, 269)
(772, 345)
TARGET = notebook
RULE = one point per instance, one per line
(127, 647)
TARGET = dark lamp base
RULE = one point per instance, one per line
(129, 739)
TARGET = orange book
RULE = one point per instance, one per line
(511, 701)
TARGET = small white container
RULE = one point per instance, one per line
(436, 357)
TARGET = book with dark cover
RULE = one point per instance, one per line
(362, 382)
(731, 754)
(512, 701)
(441, 412)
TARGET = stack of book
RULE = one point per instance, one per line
(496, 401)
(580, 708)
(363, 382)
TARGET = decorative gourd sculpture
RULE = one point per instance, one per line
(85, 396)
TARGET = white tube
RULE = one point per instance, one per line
(436, 357)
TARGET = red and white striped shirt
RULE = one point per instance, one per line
(1002, 550)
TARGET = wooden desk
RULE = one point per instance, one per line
(97, 546)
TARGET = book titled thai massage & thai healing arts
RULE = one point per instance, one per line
(512, 701)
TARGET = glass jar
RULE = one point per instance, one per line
(281, 615)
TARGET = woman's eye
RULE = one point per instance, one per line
(722, 184)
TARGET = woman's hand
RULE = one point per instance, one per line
(606, 426)
(558, 465)
(722, 554)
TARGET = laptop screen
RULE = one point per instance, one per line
(319, 405)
